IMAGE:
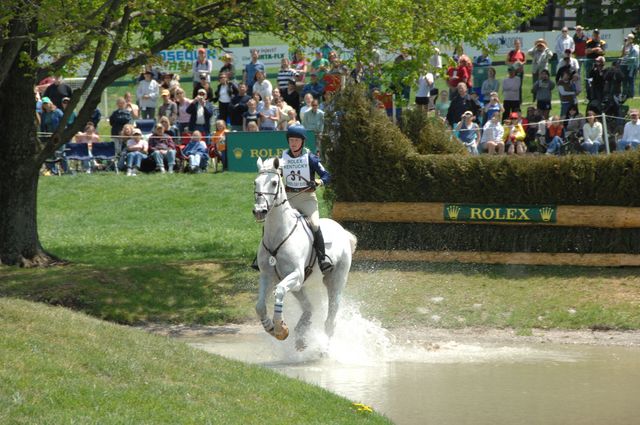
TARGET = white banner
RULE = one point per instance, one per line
(181, 60)
(504, 41)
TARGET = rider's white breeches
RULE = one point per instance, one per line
(307, 204)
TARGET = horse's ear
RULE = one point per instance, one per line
(259, 163)
(276, 163)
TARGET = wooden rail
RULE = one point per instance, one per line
(523, 258)
(430, 212)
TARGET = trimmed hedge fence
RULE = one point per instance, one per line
(372, 160)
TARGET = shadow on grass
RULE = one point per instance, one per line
(176, 292)
(140, 253)
(514, 272)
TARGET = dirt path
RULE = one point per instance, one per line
(435, 335)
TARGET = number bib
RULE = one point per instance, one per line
(296, 171)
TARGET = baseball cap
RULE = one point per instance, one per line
(467, 114)
(596, 31)
(137, 131)
(165, 92)
(514, 115)
(65, 99)
(46, 100)
(202, 91)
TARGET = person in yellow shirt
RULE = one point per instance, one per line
(514, 135)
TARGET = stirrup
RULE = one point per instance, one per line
(325, 264)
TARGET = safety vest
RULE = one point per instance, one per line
(296, 171)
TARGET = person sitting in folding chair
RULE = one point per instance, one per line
(196, 153)
(161, 148)
(555, 136)
(137, 149)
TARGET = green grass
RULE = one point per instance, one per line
(177, 249)
(163, 248)
(59, 367)
(520, 297)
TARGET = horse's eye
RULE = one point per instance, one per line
(274, 184)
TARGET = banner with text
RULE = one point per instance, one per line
(489, 213)
(181, 60)
(244, 148)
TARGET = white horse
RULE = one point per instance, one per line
(286, 252)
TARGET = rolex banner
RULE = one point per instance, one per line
(489, 213)
(244, 148)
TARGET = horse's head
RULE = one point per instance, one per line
(268, 188)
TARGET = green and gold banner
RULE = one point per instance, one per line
(244, 148)
(503, 213)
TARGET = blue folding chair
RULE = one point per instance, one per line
(79, 152)
(105, 151)
(145, 126)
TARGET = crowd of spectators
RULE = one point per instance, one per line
(486, 118)
(573, 65)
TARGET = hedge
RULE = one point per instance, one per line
(373, 160)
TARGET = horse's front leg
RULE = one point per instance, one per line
(261, 305)
(290, 282)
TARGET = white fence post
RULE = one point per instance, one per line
(605, 134)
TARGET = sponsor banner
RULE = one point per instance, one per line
(502, 213)
(181, 60)
(244, 148)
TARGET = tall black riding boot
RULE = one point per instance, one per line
(324, 261)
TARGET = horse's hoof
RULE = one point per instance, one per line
(282, 332)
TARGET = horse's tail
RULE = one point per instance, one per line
(353, 241)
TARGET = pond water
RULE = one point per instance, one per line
(447, 381)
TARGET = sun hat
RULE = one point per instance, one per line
(541, 41)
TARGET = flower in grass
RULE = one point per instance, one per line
(363, 408)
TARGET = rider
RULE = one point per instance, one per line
(299, 167)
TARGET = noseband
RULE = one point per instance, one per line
(275, 194)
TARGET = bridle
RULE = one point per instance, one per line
(275, 194)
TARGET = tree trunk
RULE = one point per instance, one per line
(19, 169)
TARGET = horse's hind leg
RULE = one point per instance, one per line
(305, 318)
(334, 282)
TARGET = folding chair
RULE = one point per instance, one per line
(145, 126)
(78, 152)
(105, 151)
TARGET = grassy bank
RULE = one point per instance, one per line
(176, 249)
(60, 367)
